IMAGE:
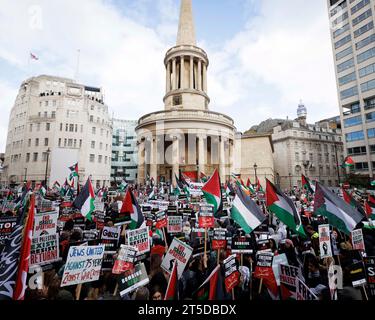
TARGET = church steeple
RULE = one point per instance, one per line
(186, 29)
(186, 67)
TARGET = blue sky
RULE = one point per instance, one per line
(265, 55)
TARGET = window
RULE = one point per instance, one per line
(46, 142)
(365, 42)
(31, 127)
(370, 117)
(341, 30)
(343, 41)
(367, 86)
(345, 65)
(311, 157)
(29, 143)
(357, 150)
(48, 126)
(70, 142)
(359, 6)
(344, 53)
(66, 127)
(80, 143)
(366, 55)
(93, 130)
(53, 115)
(75, 143)
(59, 142)
(346, 79)
(100, 158)
(37, 142)
(340, 19)
(105, 160)
(362, 17)
(44, 156)
(92, 144)
(361, 166)
(101, 145)
(355, 136)
(372, 149)
(61, 126)
(38, 127)
(65, 142)
(46, 103)
(367, 70)
(352, 121)
(35, 157)
(338, 8)
(297, 156)
(320, 159)
(76, 128)
(370, 103)
(371, 133)
(71, 127)
(91, 118)
(92, 158)
(349, 92)
(27, 157)
(54, 103)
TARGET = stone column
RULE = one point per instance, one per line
(174, 75)
(141, 162)
(176, 160)
(222, 158)
(231, 156)
(182, 72)
(153, 160)
(199, 75)
(191, 73)
(201, 154)
(168, 84)
(204, 77)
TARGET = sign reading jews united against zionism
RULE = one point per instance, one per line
(45, 243)
(325, 241)
(232, 275)
(133, 279)
(174, 224)
(219, 241)
(83, 265)
(139, 239)
(357, 240)
(179, 251)
(206, 217)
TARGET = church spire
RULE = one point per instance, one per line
(186, 30)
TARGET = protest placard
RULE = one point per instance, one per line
(277, 260)
(111, 233)
(206, 217)
(45, 242)
(89, 235)
(357, 274)
(241, 245)
(6, 227)
(219, 241)
(149, 219)
(179, 251)
(125, 259)
(357, 240)
(174, 224)
(99, 219)
(83, 265)
(303, 292)
(325, 241)
(139, 239)
(232, 275)
(288, 275)
(133, 279)
(161, 219)
(370, 273)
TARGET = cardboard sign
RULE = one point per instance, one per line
(149, 219)
(206, 216)
(241, 245)
(125, 259)
(357, 240)
(111, 233)
(219, 241)
(370, 273)
(161, 220)
(277, 261)
(174, 224)
(179, 251)
(325, 241)
(133, 279)
(303, 292)
(232, 275)
(89, 235)
(45, 242)
(264, 260)
(6, 227)
(357, 274)
(288, 275)
(83, 265)
(139, 239)
(99, 219)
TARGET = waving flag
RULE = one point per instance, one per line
(307, 185)
(340, 214)
(85, 200)
(370, 207)
(74, 176)
(211, 289)
(212, 192)
(33, 56)
(259, 186)
(23, 267)
(352, 202)
(123, 185)
(130, 205)
(348, 162)
(246, 213)
(172, 289)
(284, 208)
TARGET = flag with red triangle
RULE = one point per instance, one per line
(212, 287)
(212, 192)
(370, 207)
(130, 205)
(172, 289)
(348, 162)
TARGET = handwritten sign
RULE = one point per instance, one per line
(83, 265)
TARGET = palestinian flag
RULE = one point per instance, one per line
(351, 201)
(123, 185)
(229, 190)
(348, 162)
(368, 225)
(211, 289)
(42, 191)
(284, 208)
(85, 200)
(259, 186)
(246, 213)
(130, 205)
(370, 207)
(249, 186)
(307, 185)
(203, 177)
(372, 183)
(340, 214)
(172, 289)
(74, 177)
(212, 192)
(243, 188)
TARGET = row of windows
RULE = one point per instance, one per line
(362, 17)
(366, 55)
(100, 159)
(45, 114)
(340, 19)
(354, 121)
(17, 144)
(72, 143)
(343, 41)
(341, 30)
(361, 166)
(35, 156)
(93, 144)
(366, 41)
(15, 158)
(339, 8)
(354, 136)
(19, 129)
(357, 151)
(349, 92)
(344, 53)
(359, 6)
(363, 29)
(348, 78)
(345, 65)
(367, 70)
(48, 103)
(48, 127)
(319, 157)
(369, 85)
(70, 127)
(37, 142)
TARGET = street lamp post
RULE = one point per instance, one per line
(45, 176)
(290, 181)
(25, 177)
(255, 170)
